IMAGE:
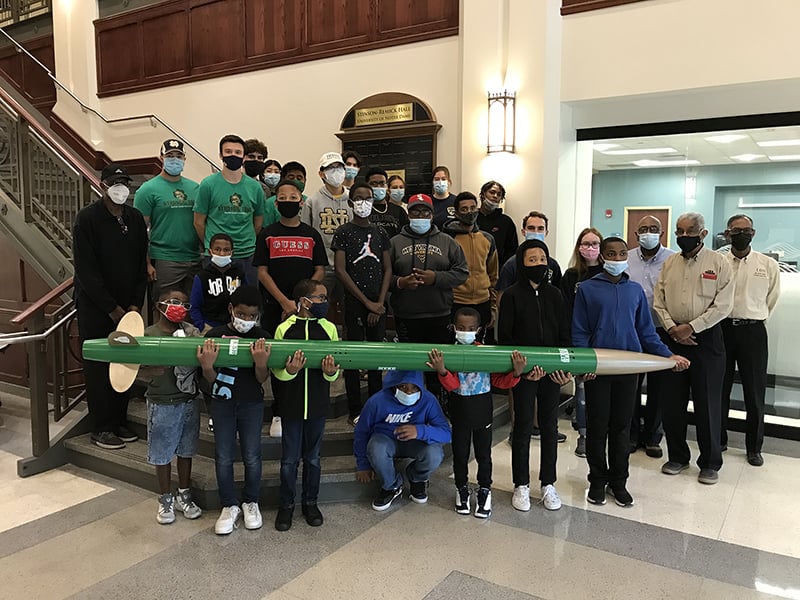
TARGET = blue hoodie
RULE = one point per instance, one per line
(615, 316)
(382, 413)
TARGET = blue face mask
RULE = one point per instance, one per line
(350, 172)
(420, 226)
(406, 399)
(272, 179)
(440, 187)
(615, 267)
(648, 241)
(173, 166)
(534, 235)
(397, 194)
(379, 194)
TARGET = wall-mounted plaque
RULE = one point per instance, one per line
(378, 115)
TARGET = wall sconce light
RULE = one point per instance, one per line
(502, 113)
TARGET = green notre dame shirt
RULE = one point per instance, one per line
(169, 206)
(230, 209)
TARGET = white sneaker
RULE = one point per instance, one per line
(252, 515)
(550, 497)
(521, 500)
(166, 512)
(275, 429)
(227, 520)
(185, 504)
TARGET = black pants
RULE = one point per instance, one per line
(543, 395)
(433, 330)
(609, 408)
(704, 379)
(646, 427)
(485, 311)
(481, 441)
(108, 409)
(746, 347)
(356, 329)
(270, 319)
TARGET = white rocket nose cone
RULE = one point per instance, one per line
(622, 362)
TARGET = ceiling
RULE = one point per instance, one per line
(697, 147)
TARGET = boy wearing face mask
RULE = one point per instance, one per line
(471, 408)
(478, 291)
(403, 420)
(364, 267)
(352, 165)
(173, 414)
(492, 220)
(213, 286)
(611, 311)
(109, 247)
(392, 217)
(292, 171)
(237, 408)
(307, 396)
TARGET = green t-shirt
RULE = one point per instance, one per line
(169, 206)
(230, 209)
(271, 214)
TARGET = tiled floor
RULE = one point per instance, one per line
(71, 534)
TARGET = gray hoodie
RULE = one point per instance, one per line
(325, 214)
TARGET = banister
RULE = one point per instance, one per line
(42, 302)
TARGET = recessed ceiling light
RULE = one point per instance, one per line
(603, 147)
(726, 138)
(665, 163)
(747, 157)
(785, 157)
(778, 143)
(640, 151)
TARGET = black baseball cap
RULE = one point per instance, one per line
(115, 173)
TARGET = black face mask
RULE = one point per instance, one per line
(288, 209)
(741, 241)
(234, 163)
(688, 243)
(535, 273)
(467, 218)
(254, 168)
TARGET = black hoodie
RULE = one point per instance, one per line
(532, 317)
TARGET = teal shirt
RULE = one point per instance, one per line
(230, 209)
(169, 206)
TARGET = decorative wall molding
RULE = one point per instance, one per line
(570, 7)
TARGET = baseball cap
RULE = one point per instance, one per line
(420, 199)
(172, 145)
(330, 158)
(115, 173)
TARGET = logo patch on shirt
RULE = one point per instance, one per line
(710, 275)
(330, 221)
(399, 418)
(291, 247)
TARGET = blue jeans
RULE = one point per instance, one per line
(230, 417)
(382, 450)
(300, 439)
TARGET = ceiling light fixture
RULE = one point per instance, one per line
(726, 138)
(785, 157)
(665, 163)
(747, 157)
(779, 143)
(639, 151)
(603, 147)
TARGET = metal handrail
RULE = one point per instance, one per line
(16, 338)
(86, 108)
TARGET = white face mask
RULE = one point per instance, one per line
(466, 337)
(648, 241)
(243, 326)
(119, 193)
(221, 261)
(335, 176)
(362, 208)
(406, 399)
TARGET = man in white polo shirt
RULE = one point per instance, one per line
(757, 288)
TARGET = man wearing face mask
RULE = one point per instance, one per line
(352, 165)
(534, 227)
(326, 211)
(694, 293)
(492, 220)
(644, 267)
(392, 217)
(109, 246)
(758, 286)
(478, 291)
(255, 156)
(230, 202)
(166, 202)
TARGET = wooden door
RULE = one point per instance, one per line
(634, 213)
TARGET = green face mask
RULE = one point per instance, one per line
(301, 185)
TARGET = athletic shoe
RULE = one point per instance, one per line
(521, 499)
(580, 447)
(462, 500)
(126, 435)
(483, 506)
(550, 497)
(107, 440)
(283, 520)
(312, 514)
(723, 448)
(275, 429)
(596, 494)
(561, 437)
(620, 495)
(185, 504)
(385, 498)
(755, 459)
(708, 476)
(419, 491)
(166, 512)
(210, 424)
(228, 520)
(353, 421)
(673, 468)
(653, 451)
(536, 433)
(252, 515)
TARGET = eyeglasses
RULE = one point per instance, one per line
(321, 297)
(122, 225)
(590, 244)
(737, 231)
(650, 229)
(174, 302)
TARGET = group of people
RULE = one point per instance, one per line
(247, 254)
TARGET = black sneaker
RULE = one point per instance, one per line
(653, 451)
(126, 435)
(385, 498)
(312, 514)
(419, 491)
(483, 506)
(596, 494)
(107, 440)
(462, 500)
(755, 459)
(283, 520)
(536, 433)
(561, 437)
(620, 495)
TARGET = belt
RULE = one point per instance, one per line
(738, 322)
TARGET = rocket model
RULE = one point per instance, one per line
(126, 349)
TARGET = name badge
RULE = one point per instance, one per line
(711, 276)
